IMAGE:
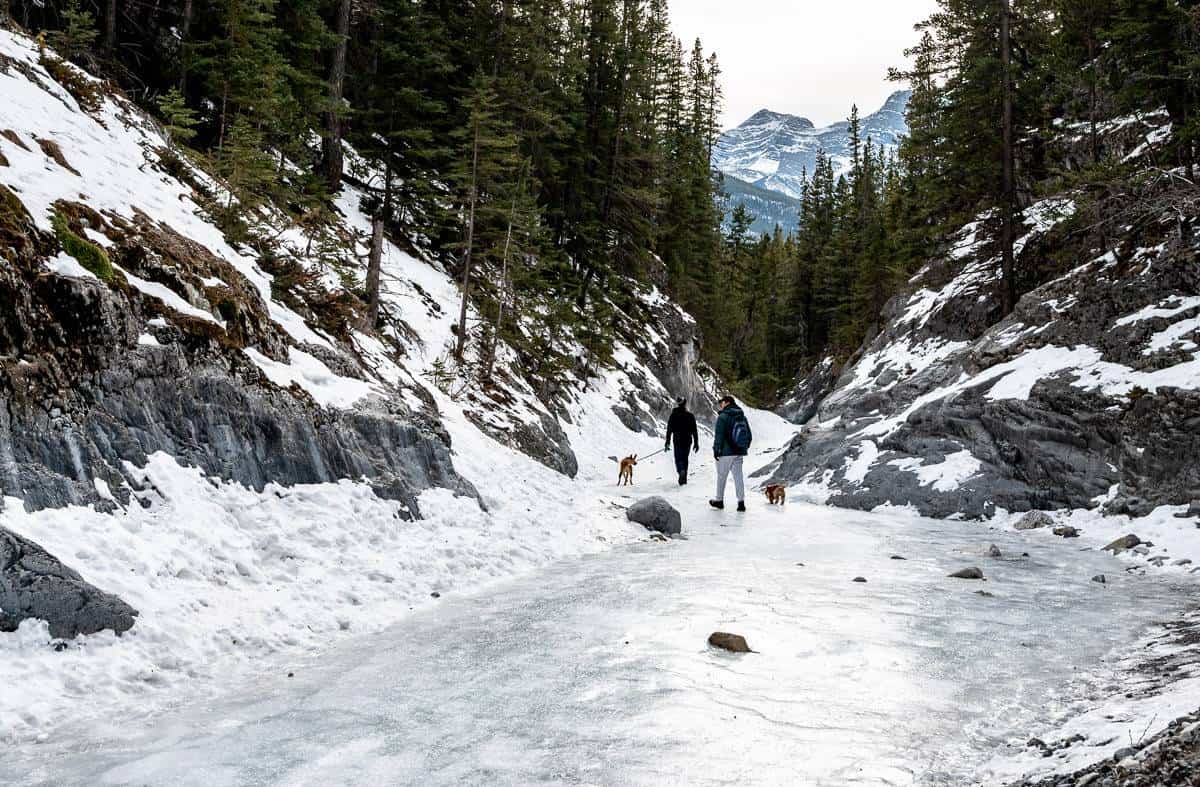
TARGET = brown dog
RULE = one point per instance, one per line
(776, 494)
(626, 474)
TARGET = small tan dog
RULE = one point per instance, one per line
(776, 494)
(625, 476)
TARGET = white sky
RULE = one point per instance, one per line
(805, 57)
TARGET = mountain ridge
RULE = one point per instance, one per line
(775, 151)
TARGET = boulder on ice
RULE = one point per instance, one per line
(735, 643)
(1123, 543)
(655, 513)
(35, 584)
(1034, 520)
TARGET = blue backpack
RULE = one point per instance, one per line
(739, 433)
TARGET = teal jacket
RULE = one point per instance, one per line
(722, 437)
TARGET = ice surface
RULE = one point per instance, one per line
(596, 670)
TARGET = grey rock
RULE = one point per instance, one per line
(1193, 510)
(1066, 531)
(1121, 754)
(1121, 544)
(1034, 520)
(968, 573)
(655, 513)
(994, 551)
(1062, 446)
(1099, 578)
(810, 388)
(859, 579)
(734, 643)
(35, 584)
(197, 399)
(1183, 561)
(899, 557)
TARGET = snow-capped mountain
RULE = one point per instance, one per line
(773, 151)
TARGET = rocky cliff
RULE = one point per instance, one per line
(1087, 394)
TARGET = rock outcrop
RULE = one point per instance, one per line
(35, 584)
(1088, 392)
(94, 375)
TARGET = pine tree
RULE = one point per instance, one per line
(487, 164)
(179, 119)
(77, 37)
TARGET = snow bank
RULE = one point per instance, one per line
(224, 576)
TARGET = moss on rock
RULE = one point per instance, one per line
(87, 253)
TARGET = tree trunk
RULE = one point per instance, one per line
(185, 46)
(110, 28)
(499, 37)
(331, 143)
(224, 117)
(491, 358)
(1008, 264)
(4, 11)
(1095, 138)
(374, 259)
(461, 344)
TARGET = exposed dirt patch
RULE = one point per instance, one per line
(52, 149)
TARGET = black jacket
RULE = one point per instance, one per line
(682, 426)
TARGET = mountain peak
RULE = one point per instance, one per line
(774, 152)
(897, 101)
(764, 116)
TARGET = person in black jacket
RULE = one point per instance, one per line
(682, 426)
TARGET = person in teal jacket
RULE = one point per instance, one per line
(731, 443)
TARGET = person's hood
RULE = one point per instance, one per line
(733, 408)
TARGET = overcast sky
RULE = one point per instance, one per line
(804, 57)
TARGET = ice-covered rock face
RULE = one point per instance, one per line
(773, 151)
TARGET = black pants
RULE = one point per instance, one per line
(682, 447)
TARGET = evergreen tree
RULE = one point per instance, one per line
(179, 120)
(77, 36)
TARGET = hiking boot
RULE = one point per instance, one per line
(682, 479)
(741, 505)
(717, 503)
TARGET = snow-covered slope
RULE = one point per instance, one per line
(775, 151)
(1088, 394)
(210, 434)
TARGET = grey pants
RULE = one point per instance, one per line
(724, 465)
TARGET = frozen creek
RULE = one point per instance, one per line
(596, 670)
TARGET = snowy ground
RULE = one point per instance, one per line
(595, 670)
